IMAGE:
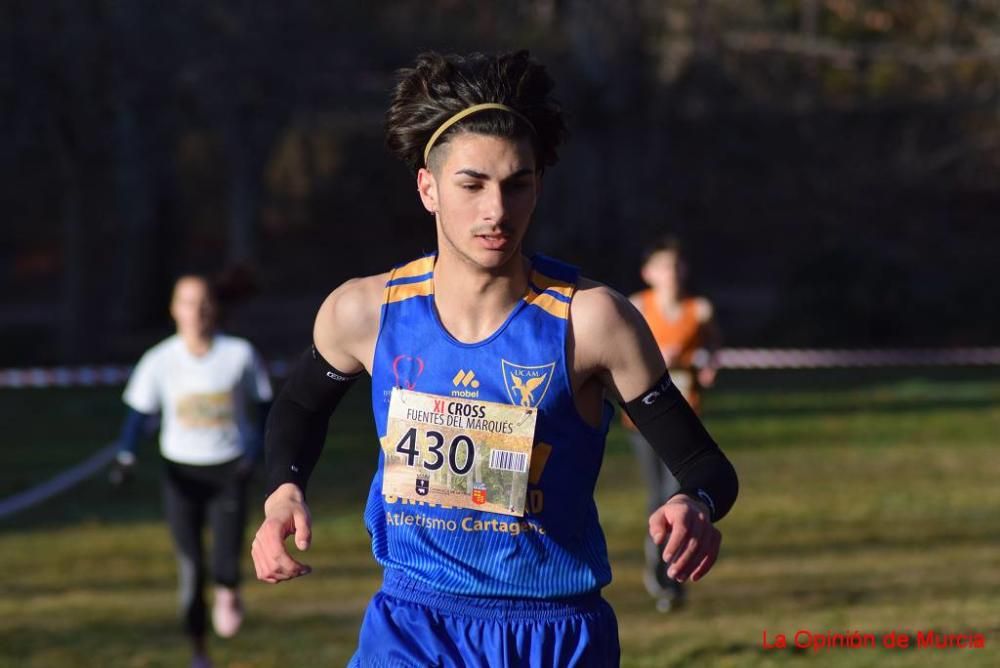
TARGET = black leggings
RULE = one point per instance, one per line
(190, 495)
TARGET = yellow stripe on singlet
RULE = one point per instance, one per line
(548, 302)
(418, 267)
(544, 283)
(397, 293)
(424, 265)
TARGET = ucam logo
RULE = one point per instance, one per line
(406, 369)
(465, 379)
(526, 385)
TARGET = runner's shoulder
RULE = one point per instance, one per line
(602, 312)
(353, 308)
(594, 300)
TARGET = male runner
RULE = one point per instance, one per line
(490, 372)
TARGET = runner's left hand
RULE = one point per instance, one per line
(692, 541)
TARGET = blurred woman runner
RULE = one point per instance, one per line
(685, 331)
(490, 372)
(211, 391)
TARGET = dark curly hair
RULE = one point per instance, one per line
(439, 86)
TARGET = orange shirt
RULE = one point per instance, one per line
(680, 338)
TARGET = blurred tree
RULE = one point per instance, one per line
(773, 135)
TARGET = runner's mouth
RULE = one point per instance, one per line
(494, 241)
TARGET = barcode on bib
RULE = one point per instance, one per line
(505, 460)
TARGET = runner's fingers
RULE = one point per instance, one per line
(689, 554)
(275, 564)
(708, 557)
(303, 529)
(284, 566)
(679, 535)
(253, 555)
(289, 568)
(261, 564)
(711, 554)
(658, 526)
(280, 567)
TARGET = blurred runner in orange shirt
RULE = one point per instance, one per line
(685, 331)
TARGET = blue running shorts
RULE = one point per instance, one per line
(408, 625)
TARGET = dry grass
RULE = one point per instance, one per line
(869, 502)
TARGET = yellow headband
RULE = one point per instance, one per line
(468, 112)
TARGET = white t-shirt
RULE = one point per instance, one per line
(205, 401)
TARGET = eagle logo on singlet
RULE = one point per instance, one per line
(526, 385)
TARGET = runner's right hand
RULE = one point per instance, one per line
(122, 468)
(285, 514)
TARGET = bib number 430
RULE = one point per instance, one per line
(433, 459)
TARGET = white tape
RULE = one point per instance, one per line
(60, 483)
(726, 358)
(86, 376)
(792, 358)
(83, 376)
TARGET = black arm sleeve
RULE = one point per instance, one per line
(298, 420)
(666, 420)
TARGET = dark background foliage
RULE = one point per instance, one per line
(831, 165)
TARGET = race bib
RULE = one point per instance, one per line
(464, 453)
(205, 410)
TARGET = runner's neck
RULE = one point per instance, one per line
(471, 303)
(669, 303)
(197, 343)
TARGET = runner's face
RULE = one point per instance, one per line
(192, 307)
(662, 272)
(484, 193)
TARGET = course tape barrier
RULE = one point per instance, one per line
(726, 358)
(105, 375)
(60, 483)
(794, 358)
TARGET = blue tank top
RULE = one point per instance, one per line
(557, 549)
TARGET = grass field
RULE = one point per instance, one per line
(869, 503)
